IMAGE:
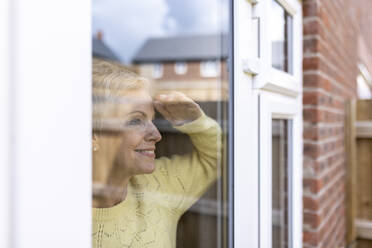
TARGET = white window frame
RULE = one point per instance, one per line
(5, 125)
(180, 68)
(245, 134)
(274, 106)
(269, 78)
(278, 95)
(157, 70)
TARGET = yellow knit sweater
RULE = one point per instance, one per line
(149, 215)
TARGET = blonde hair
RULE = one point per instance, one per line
(114, 78)
(111, 82)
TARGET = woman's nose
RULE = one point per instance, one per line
(153, 133)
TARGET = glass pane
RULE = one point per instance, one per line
(280, 185)
(281, 37)
(160, 100)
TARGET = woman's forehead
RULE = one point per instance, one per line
(136, 99)
(124, 105)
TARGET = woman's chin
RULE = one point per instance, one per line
(148, 168)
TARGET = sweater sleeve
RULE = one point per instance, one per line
(186, 177)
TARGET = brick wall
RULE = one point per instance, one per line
(332, 31)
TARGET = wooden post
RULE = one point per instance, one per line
(364, 169)
(351, 171)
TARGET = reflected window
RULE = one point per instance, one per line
(157, 70)
(281, 32)
(281, 197)
(180, 68)
(209, 68)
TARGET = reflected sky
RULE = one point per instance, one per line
(127, 24)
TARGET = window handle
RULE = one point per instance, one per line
(251, 66)
(253, 1)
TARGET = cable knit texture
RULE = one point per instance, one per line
(149, 215)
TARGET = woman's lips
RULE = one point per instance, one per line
(148, 153)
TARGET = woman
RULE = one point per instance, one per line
(143, 197)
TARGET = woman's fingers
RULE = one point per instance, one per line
(162, 110)
(177, 107)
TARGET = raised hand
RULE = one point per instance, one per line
(177, 108)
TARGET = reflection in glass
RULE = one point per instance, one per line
(280, 185)
(281, 33)
(180, 47)
(180, 67)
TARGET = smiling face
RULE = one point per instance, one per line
(122, 123)
(136, 152)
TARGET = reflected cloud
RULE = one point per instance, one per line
(196, 17)
(127, 24)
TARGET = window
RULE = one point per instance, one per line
(210, 68)
(180, 68)
(279, 82)
(363, 89)
(281, 31)
(364, 83)
(281, 198)
(157, 70)
(160, 147)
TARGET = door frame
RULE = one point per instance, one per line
(5, 124)
(51, 89)
(49, 161)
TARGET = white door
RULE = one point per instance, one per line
(46, 158)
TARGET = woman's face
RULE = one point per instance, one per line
(137, 148)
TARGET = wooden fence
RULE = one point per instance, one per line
(358, 135)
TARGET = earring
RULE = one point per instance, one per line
(95, 143)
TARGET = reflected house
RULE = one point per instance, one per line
(101, 50)
(195, 65)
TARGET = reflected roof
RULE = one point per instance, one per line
(100, 50)
(183, 48)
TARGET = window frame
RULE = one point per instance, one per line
(244, 134)
(5, 125)
(280, 96)
(269, 78)
(273, 106)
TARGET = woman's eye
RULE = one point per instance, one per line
(135, 122)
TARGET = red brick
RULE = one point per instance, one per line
(331, 31)
(310, 8)
(316, 80)
(311, 27)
